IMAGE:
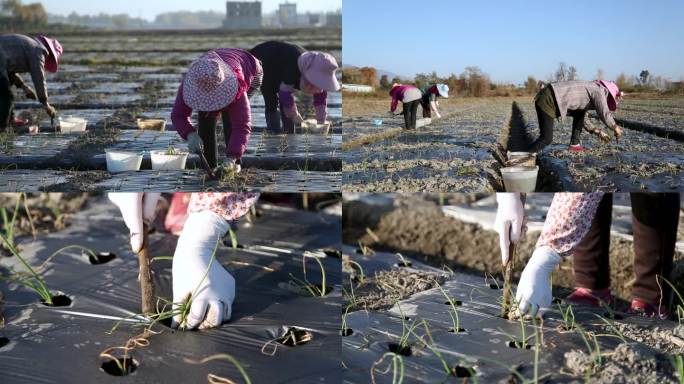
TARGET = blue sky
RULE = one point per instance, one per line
(510, 40)
(148, 9)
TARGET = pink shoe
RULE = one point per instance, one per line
(577, 148)
(19, 122)
(642, 308)
(590, 297)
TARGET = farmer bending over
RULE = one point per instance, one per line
(575, 98)
(578, 225)
(209, 215)
(24, 54)
(289, 67)
(218, 83)
(410, 97)
(429, 101)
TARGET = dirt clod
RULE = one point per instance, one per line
(387, 287)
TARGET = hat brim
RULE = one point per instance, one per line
(51, 62)
(443, 95)
(215, 100)
(326, 83)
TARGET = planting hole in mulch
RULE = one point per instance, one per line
(556, 300)
(457, 303)
(294, 336)
(518, 345)
(404, 350)
(333, 252)
(58, 301)
(460, 330)
(459, 371)
(495, 286)
(128, 364)
(347, 332)
(101, 258)
(404, 264)
(3, 341)
(613, 316)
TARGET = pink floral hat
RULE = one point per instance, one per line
(210, 84)
(55, 48)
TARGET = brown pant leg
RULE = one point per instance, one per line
(655, 217)
(591, 256)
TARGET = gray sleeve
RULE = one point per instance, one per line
(602, 111)
(16, 80)
(37, 66)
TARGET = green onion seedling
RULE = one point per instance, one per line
(222, 356)
(34, 282)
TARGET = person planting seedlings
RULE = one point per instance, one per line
(578, 225)
(575, 98)
(410, 98)
(220, 82)
(429, 101)
(26, 54)
(196, 274)
(289, 67)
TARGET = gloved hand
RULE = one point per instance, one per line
(195, 143)
(136, 208)
(214, 294)
(510, 221)
(618, 133)
(50, 110)
(30, 94)
(231, 164)
(534, 289)
(321, 113)
(293, 114)
(438, 115)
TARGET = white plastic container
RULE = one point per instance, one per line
(520, 179)
(161, 161)
(123, 161)
(423, 122)
(312, 126)
(151, 124)
(70, 124)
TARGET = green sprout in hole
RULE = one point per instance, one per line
(171, 151)
(305, 285)
(568, 317)
(344, 319)
(679, 307)
(406, 329)
(233, 238)
(448, 369)
(612, 327)
(455, 321)
(34, 281)
(8, 223)
(211, 378)
(594, 352)
(362, 276)
(396, 365)
(678, 363)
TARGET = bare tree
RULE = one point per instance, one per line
(572, 73)
(561, 72)
(599, 74)
(531, 84)
(644, 77)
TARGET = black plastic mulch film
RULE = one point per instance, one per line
(481, 349)
(63, 344)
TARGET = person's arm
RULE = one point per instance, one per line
(320, 101)
(18, 82)
(181, 114)
(287, 102)
(241, 125)
(37, 69)
(195, 270)
(603, 112)
(433, 106)
(395, 102)
(567, 222)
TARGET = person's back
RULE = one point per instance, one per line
(20, 50)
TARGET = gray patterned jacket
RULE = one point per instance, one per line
(583, 95)
(25, 54)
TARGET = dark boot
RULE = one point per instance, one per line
(273, 123)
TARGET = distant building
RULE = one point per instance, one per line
(243, 15)
(333, 19)
(287, 14)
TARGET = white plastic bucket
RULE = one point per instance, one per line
(70, 124)
(520, 179)
(312, 126)
(122, 161)
(151, 124)
(423, 122)
(161, 161)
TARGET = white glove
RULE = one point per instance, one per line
(195, 143)
(232, 164)
(509, 223)
(136, 208)
(213, 297)
(534, 289)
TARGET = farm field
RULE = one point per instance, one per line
(276, 323)
(414, 271)
(112, 79)
(460, 152)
